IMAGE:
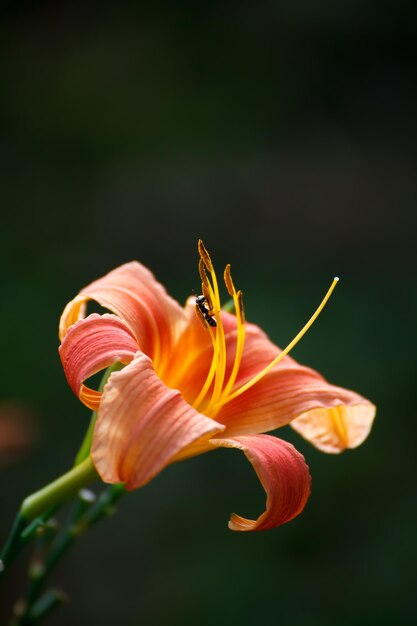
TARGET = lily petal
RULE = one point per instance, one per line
(133, 294)
(91, 345)
(142, 425)
(291, 391)
(284, 476)
(333, 430)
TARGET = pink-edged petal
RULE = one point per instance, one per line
(132, 293)
(283, 474)
(142, 425)
(336, 429)
(288, 391)
(91, 345)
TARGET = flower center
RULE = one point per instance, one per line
(217, 391)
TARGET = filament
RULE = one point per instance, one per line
(279, 358)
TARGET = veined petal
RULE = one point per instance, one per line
(192, 356)
(133, 294)
(93, 344)
(284, 476)
(142, 425)
(291, 391)
(333, 430)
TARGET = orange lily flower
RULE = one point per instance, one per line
(193, 383)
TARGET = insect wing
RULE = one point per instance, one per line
(200, 315)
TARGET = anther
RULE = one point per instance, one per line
(240, 304)
(205, 255)
(228, 280)
(202, 271)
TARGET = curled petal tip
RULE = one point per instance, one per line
(283, 474)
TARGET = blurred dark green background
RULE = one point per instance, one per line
(284, 134)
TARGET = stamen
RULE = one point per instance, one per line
(202, 251)
(220, 348)
(206, 287)
(218, 365)
(210, 375)
(198, 401)
(228, 281)
(279, 358)
(203, 276)
(241, 329)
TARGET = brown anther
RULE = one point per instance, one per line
(202, 251)
(206, 294)
(202, 271)
(205, 285)
(240, 304)
(228, 280)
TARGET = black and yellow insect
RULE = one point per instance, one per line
(204, 310)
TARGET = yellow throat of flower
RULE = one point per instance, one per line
(217, 391)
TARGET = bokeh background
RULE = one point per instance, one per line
(284, 134)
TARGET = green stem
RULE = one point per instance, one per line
(85, 448)
(46, 604)
(37, 525)
(37, 508)
(45, 560)
(84, 502)
(103, 507)
(59, 490)
(86, 513)
(13, 543)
